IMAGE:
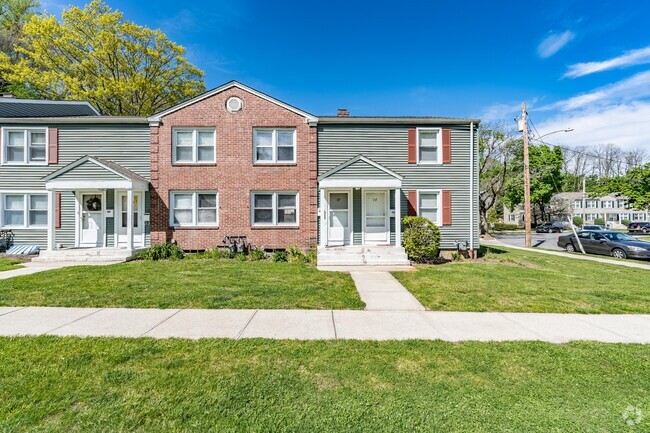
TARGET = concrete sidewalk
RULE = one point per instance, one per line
(322, 324)
(34, 267)
(382, 292)
(601, 259)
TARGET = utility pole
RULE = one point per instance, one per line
(527, 212)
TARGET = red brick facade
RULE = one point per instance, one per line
(234, 175)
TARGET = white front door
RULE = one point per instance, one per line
(376, 217)
(121, 215)
(91, 233)
(338, 225)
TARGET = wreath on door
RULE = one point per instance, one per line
(94, 204)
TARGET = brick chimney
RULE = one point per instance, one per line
(343, 112)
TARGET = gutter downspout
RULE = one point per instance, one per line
(471, 189)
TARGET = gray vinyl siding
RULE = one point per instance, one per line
(361, 170)
(124, 144)
(89, 171)
(387, 145)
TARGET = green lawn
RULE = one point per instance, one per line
(186, 283)
(9, 264)
(520, 281)
(98, 385)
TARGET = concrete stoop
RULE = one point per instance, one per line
(363, 256)
(82, 255)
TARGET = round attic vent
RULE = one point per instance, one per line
(234, 104)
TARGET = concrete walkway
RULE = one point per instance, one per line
(601, 259)
(34, 267)
(322, 324)
(382, 292)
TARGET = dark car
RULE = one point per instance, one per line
(592, 227)
(549, 228)
(638, 227)
(606, 242)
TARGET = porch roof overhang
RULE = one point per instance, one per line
(338, 177)
(106, 175)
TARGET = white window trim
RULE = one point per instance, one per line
(577, 204)
(274, 145)
(275, 222)
(26, 161)
(195, 209)
(25, 224)
(439, 203)
(438, 144)
(195, 145)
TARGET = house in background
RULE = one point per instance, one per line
(70, 178)
(613, 209)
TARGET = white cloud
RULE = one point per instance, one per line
(633, 88)
(625, 125)
(554, 43)
(630, 58)
(498, 112)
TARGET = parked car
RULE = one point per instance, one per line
(610, 243)
(638, 227)
(592, 227)
(549, 228)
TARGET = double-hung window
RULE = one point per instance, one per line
(429, 205)
(429, 146)
(274, 145)
(194, 145)
(607, 204)
(194, 208)
(274, 208)
(592, 204)
(577, 204)
(24, 210)
(25, 146)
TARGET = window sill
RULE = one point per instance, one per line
(275, 227)
(22, 164)
(23, 228)
(275, 164)
(194, 164)
(194, 227)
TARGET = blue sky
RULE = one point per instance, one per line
(579, 64)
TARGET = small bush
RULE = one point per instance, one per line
(504, 226)
(626, 222)
(280, 256)
(166, 251)
(421, 239)
(457, 257)
(599, 222)
(578, 220)
(241, 257)
(295, 255)
(256, 255)
(312, 256)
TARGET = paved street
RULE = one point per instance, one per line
(539, 240)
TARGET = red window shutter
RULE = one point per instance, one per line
(412, 203)
(57, 210)
(446, 146)
(412, 146)
(446, 208)
(53, 146)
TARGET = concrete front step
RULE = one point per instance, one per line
(363, 256)
(85, 255)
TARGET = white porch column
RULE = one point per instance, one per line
(129, 219)
(322, 211)
(50, 220)
(398, 217)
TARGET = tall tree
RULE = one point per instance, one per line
(496, 150)
(13, 16)
(634, 184)
(94, 54)
(545, 178)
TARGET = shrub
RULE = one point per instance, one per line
(626, 222)
(256, 255)
(578, 220)
(599, 222)
(504, 226)
(295, 255)
(421, 239)
(166, 251)
(280, 256)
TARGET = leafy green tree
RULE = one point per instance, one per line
(94, 54)
(634, 184)
(13, 16)
(545, 178)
